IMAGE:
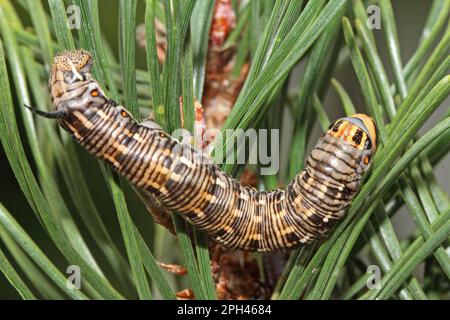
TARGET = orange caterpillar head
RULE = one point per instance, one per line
(359, 130)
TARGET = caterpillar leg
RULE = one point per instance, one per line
(160, 214)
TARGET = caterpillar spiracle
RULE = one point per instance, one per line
(236, 216)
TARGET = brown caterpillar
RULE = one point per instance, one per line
(235, 216)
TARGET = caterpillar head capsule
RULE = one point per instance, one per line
(73, 91)
(71, 84)
(76, 96)
(359, 131)
(76, 62)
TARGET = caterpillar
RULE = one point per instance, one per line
(180, 178)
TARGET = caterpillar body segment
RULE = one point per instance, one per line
(178, 177)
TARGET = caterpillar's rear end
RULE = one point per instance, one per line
(181, 179)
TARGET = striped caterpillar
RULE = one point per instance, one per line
(180, 178)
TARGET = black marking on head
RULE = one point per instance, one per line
(357, 122)
(368, 144)
(358, 136)
(337, 125)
